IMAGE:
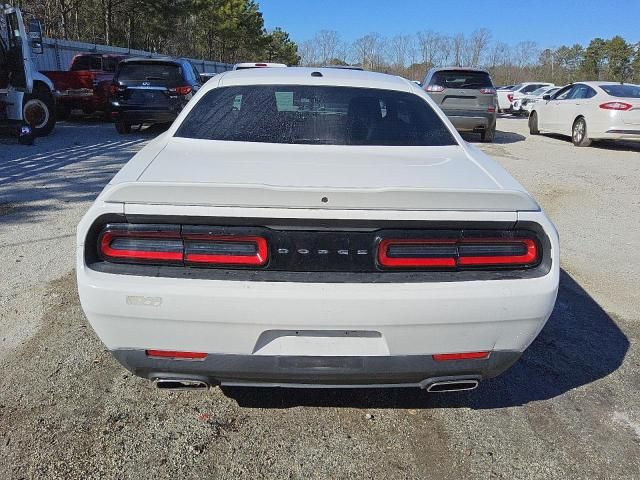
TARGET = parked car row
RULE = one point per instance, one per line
(589, 111)
(510, 97)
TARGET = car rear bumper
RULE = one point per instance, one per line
(470, 120)
(136, 115)
(314, 371)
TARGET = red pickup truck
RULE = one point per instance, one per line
(85, 86)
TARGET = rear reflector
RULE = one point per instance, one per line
(452, 253)
(225, 250)
(171, 354)
(616, 106)
(445, 357)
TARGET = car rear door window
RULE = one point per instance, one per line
(316, 115)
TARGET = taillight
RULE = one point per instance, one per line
(115, 89)
(615, 106)
(445, 357)
(185, 90)
(178, 245)
(452, 253)
(225, 250)
(510, 97)
(150, 244)
(434, 88)
(488, 91)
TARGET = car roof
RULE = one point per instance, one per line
(259, 65)
(595, 83)
(463, 69)
(153, 59)
(312, 76)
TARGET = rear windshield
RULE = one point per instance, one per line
(626, 91)
(461, 79)
(87, 62)
(315, 115)
(168, 73)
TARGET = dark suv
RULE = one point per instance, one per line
(151, 90)
(467, 96)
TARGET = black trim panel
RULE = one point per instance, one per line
(314, 370)
(332, 267)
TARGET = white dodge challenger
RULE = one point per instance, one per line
(315, 227)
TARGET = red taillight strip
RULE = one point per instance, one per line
(257, 259)
(176, 355)
(525, 259)
(108, 251)
(616, 106)
(387, 261)
(530, 257)
(445, 357)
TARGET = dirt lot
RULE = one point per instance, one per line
(570, 408)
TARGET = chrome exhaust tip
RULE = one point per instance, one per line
(181, 384)
(453, 386)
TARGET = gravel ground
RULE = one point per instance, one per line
(569, 408)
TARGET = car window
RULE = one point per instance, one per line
(539, 91)
(530, 88)
(461, 79)
(167, 73)
(581, 92)
(316, 115)
(109, 64)
(564, 93)
(625, 91)
(87, 62)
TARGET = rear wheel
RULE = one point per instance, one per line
(38, 110)
(533, 124)
(488, 135)
(123, 128)
(579, 135)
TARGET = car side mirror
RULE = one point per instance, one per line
(35, 36)
(546, 97)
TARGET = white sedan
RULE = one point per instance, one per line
(306, 227)
(589, 111)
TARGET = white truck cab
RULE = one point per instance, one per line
(27, 102)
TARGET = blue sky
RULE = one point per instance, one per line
(549, 23)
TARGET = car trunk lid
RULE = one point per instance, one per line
(214, 173)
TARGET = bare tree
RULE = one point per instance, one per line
(430, 47)
(458, 47)
(478, 43)
(400, 48)
(327, 44)
(308, 51)
(367, 51)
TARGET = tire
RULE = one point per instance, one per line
(487, 136)
(38, 110)
(123, 128)
(579, 134)
(533, 124)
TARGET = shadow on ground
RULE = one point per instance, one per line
(73, 164)
(502, 138)
(579, 345)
